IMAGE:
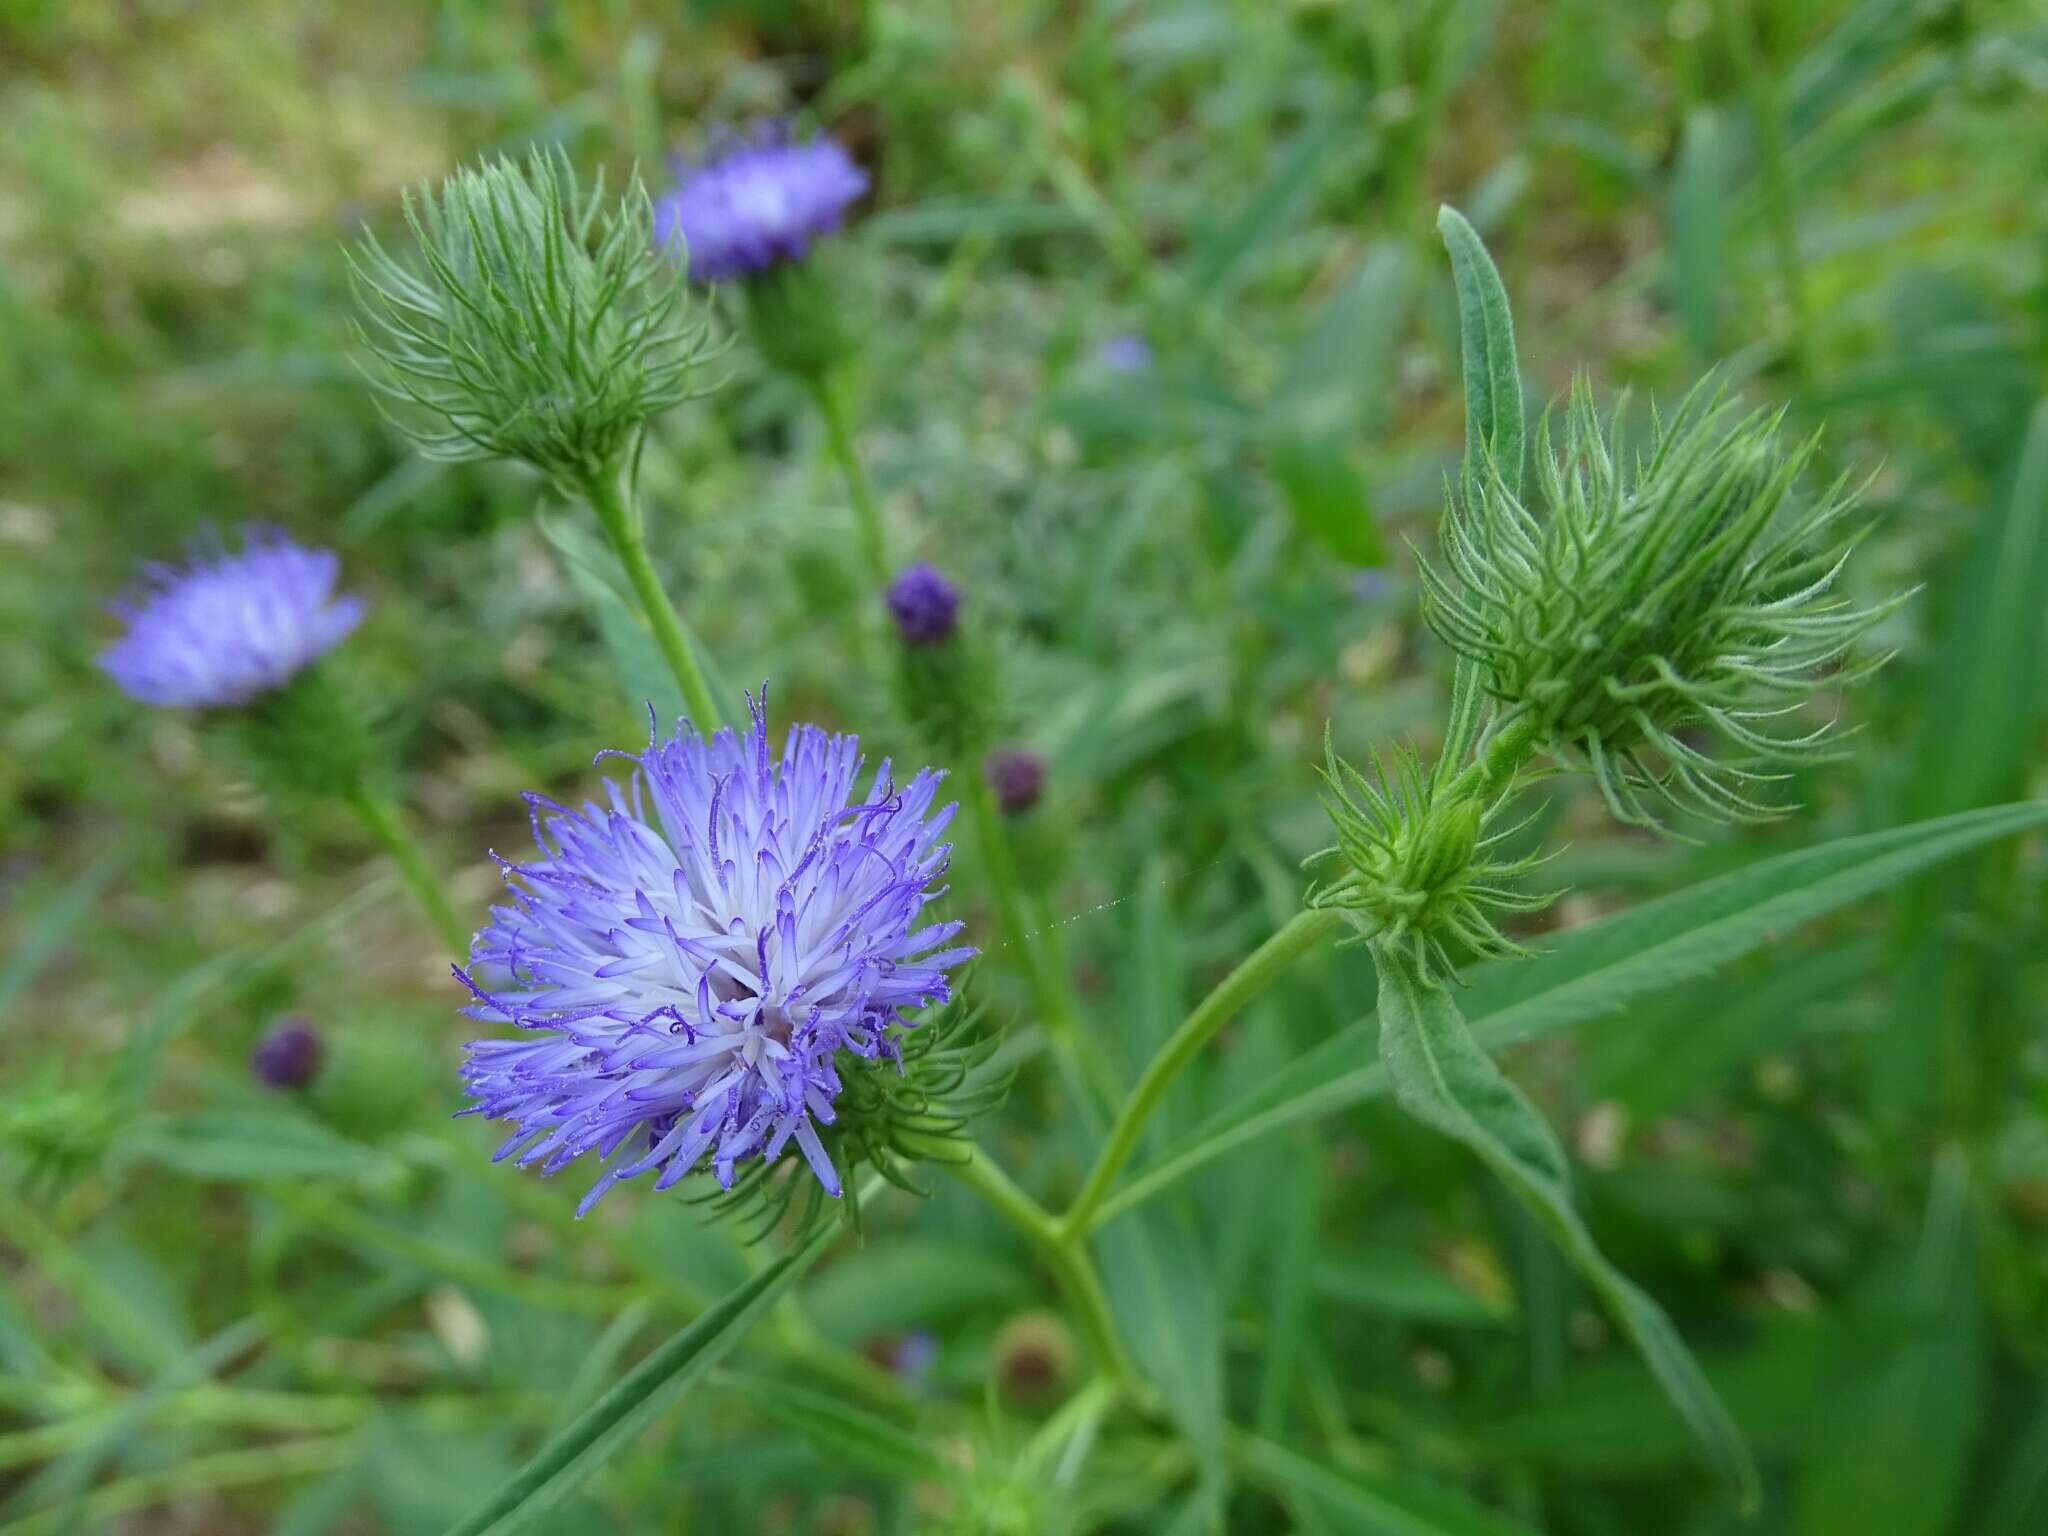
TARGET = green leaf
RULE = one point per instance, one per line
(1902, 1445)
(50, 929)
(1396, 1281)
(1326, 496)
(1443, 1078)
(251, 1145)
(569, 1458)
(1219, 258)
(1486, 329)
(1164, 1298)
(1361, 1503)
(903, 1282)
(1597, 969)
(1699, 231)
(846, 1434)
(1334, 382)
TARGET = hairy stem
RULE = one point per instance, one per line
(1258, 971)
(390, 827)
(619, 515)
(832, 407)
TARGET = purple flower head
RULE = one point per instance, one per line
(1016, 775)
(761, 200)
(925, 606)
(288, 1055)
(1128, 353)
(229, 625)
(698, 960)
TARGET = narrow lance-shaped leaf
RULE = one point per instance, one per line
(569, 1458)
(1442, 1077)
(1592, 971)
(1486, 330)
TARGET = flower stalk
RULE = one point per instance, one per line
(617, 510)
(389, 825)
(831, 394)
(1258, 971)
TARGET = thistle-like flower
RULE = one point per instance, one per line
(1413, 863)
(758, 203)
(1688, 590)
(542, 325)
(721, 960)
(229, 625)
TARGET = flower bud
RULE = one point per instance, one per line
(1685, 590)
(1016, 775)
(288, 1055)
(1033, 1356)
(544, 326)
(1413, 863)
(924, 605)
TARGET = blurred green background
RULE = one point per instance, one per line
(224, 1310)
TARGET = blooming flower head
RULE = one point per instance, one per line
(699, 962)
(229, 625)
(924, 604)
(759, 202)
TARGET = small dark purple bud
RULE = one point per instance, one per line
(925, 606)
(288, 1055)
(1017, 777)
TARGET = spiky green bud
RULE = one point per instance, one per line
(542, 325)
(914, 1103)
(310, 739)
(1413, 863)
(1692, 588)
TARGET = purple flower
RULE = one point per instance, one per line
(288, 1055)
(760, 201)
(1017, 777)
(925, 606)
(229, 625)
(699, 960)
(1129, 353)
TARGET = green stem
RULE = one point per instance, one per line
(1049, 991)
(1258, 971)
(1499, 760)
(388, 824)
(1068, 1259)
(619, 515)
(832, 406)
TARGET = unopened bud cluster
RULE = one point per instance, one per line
(544, 325)
(1689, 589)
(1414, 863)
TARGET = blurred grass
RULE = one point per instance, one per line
(1164, 565)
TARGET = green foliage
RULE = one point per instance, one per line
(1441, 1076)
